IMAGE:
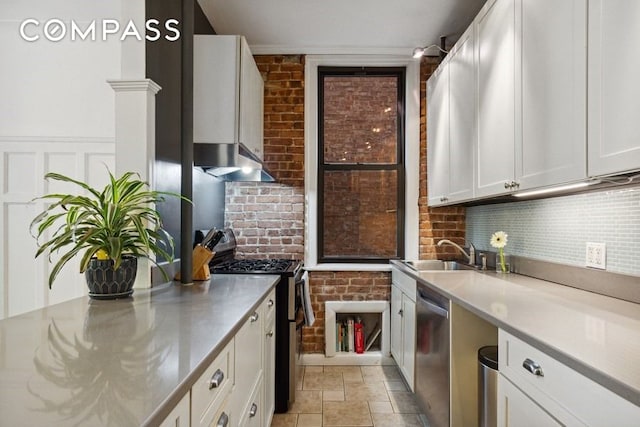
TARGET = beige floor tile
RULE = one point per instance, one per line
(404, 402)
(395, 385)
(323, 381)
(284, 420)
(396, 420)
(380, 373)
(300, 379)
(354, 413)
(351, 374)
(314, 369)
(307, 402)
(380, 408)
(309, 420)
(333, 395)
(374, 392)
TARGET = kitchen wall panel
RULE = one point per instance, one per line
(557, 229)
(25, 161)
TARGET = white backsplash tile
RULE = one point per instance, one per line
(557, 229)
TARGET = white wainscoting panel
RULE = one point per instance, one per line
(25, 161)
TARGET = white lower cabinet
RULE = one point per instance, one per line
(530, 378)
(269, 369)
(253, 413)
(212, 388)
(180, 415)
(516, 409)
(403, 324)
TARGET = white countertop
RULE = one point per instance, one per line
(596, 335)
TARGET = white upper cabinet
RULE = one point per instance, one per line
(551, 73)
(438, 136)
(495, 56)
(614, 87)
(451, 125)
(228, 93)
(462, 117)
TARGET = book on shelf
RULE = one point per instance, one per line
(350, 343)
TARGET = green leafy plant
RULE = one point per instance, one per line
(118, 221)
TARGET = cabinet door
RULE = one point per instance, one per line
(396, 324)
(438, 136)
(409, 340)
(216, 99)
(495, 54)
(553, 71)
(462, 118)
(180, 415)
(269, 363)
(251, 102)
(614, 87)
(249, 359)
(516, 409)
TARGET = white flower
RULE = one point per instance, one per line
(499, 239)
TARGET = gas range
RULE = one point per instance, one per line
(289, 317)
(255, 266)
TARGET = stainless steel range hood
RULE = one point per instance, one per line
(230, 162)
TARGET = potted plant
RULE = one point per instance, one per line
(112, 227)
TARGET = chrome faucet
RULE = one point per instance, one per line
(471, 256)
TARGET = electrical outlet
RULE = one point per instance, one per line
(596, 255)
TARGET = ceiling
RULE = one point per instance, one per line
(341, 26)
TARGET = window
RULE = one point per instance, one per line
(360, 164)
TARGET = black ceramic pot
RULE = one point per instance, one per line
(106, 283)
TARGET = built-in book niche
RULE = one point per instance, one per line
(358, 332)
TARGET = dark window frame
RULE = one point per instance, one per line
(399, 166)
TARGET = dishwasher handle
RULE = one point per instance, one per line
(433, 306)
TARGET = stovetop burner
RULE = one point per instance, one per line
(253, 266)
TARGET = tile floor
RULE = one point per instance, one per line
(337, 396)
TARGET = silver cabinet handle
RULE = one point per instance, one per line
(270, 303)
(223, 421)
(216, 379)
(507, 185)
(254, 317)
(270, 334)
(254, 410)
(400, 312)
(533, 367)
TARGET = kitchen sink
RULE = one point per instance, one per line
(437, 264)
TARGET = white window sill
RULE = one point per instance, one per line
(348, 267)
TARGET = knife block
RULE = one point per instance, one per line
(200, 264)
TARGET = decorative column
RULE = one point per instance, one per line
(135, 124)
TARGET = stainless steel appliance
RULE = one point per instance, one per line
(289, 314)
(432, 355)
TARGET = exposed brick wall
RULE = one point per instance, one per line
(341, 286)
(435, 223)
(284, 116)
(269, 218)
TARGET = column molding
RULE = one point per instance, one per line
(135, 135)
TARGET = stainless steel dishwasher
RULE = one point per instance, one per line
(432, 355)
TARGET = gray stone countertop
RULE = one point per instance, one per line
(596, 335)
(119, 363)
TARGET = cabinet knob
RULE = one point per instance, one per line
(254, 317)
(270, 303)
(254, 410)
(533, 367)
(216, 379)
(507, 185)
(400, 312)
(223, 421)
(270, 334)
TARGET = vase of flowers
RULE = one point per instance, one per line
(499, 241)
